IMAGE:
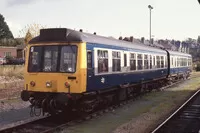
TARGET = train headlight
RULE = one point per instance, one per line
(48, 84)
(67, 85)
(32, 83)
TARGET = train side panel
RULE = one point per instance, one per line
(101, 81)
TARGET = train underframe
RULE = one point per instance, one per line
(54, 103)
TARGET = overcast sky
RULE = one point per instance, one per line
(177, 19)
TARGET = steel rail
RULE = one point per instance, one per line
(180, 108)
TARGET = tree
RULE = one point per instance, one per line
(198, 40)
(30, 31)
(28, 37)
(4, 29)
(190, 41)
(34, 29)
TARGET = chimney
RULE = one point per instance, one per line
(131, 38)
(126, 39)
(152, 41)
(142, 39)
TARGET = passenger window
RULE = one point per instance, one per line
(175, 62)
(150, 61)
(89, 59)
(166, 61)
(146, 62)
(139, 59)
(125, 60)
(132, 61)
(116, 65)
(162, 62)
(158, 61)
(154, 62)
(172, 61)
(102, 61)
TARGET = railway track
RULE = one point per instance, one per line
(43, 125)
(54, 123)
(186, 119)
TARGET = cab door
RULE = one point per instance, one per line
(90, 71)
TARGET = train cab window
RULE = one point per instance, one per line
(132, 61)
(150, 62)
(158, 61)
(89, 59)
(50, 58)
(146, 62)
(125, 60)
(116, 61)
(68, 59)
(162, 61)
(35, 59)
(190, 62)
(102, 61)
(139, 59)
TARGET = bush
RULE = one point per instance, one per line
(198, 66)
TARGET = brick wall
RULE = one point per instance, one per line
(12, 51)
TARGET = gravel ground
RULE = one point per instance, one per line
(12, 104)
(6, 79)
(142, 115)
(12, 108)
(10, 87)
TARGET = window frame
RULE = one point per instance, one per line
(97, 61)
(59, 57)
(134, 59)
(118, 53)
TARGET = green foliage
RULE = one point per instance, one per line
(198, 39)
(190, 40)
(4, 29)
(195, 52)
(198, 66)
(30, 31)
(11, 42)
(28, 37)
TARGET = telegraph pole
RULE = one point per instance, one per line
(150, 8)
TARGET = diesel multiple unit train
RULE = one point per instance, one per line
(67, 69)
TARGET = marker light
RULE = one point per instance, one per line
(32, 83)
(48, 84)
(67, 85)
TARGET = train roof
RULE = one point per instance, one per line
(178, 53)
(67, 35)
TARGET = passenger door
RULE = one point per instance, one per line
(125, 62)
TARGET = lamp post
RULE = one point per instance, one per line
(150, 8)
